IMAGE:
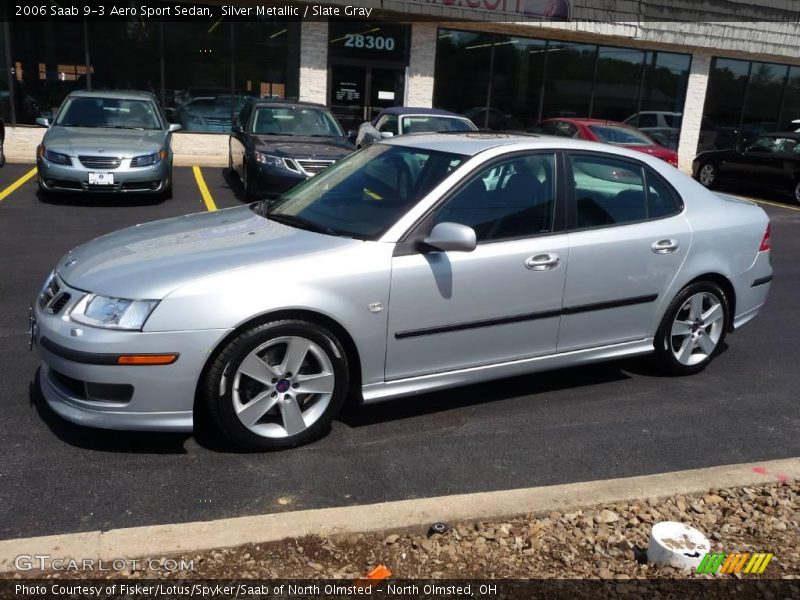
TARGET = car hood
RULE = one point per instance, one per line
(125, 143)
(151, 260)
(303, 147)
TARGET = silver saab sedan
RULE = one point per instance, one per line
(417, 264)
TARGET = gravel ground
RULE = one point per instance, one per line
(606, 542)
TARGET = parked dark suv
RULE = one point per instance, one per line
(274, 145)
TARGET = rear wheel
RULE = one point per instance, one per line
(708, 175)
(277, 385)
(692, 329)
(796, 193)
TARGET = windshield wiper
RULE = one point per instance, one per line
(127, 127)
(301, 223)
(73, 125)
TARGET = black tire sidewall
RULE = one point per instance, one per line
(664, 356)
(230, 357)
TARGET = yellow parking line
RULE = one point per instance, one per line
(201, 183)
(7, 192)
(776, 204)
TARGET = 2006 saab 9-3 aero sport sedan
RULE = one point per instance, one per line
(416, 264)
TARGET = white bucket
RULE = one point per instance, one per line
(677, 545)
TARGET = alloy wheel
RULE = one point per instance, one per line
(708, 174)
(282, 387)
(797, 192)
(697, 329)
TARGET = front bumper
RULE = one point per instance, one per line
(272, 182)
(140, 180)
(82, 390)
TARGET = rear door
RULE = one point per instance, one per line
(627, 239)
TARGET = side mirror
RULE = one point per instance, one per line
(352, 135)
(174, 127)
(237, 129)
(452, 237)
(386, 135)
(43, 121)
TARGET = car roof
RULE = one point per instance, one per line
(118, 94)
(793, 135)
(283, 102)
(413, 110)
(470, 144)
(586, 121)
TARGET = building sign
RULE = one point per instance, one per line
(556, 10)
(368, 41)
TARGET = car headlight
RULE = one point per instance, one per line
(149, 159)
(112, 313)
(277, 162)
(54, 157)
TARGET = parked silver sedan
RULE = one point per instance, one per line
(106, 141)
(417, 264)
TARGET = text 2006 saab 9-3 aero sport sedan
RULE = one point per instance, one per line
(420, 263)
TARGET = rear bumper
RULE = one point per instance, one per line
(752, 288)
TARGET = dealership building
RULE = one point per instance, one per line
(695, 75)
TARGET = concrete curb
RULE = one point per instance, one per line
(407, 515)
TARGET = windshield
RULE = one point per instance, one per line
(364, 194)
(295, 120)
(614, 134)
(427, 123)
(83, 111)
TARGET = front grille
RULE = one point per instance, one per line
(100, 162)
(49, 294)
(58, 303)
(312, 166)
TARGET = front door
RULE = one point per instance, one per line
(498, 303)
(358, 93)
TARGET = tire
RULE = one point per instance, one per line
(708, 175)
(796, 192)
(247, 183)
(167, 193)
(261, 405)
(691, 333)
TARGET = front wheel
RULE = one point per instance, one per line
(708, 175)
(277, 385)
(797, 191)
(693, 329)
(248, 183)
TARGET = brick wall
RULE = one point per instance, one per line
(314, 62)
(693, 109)
(421, 64)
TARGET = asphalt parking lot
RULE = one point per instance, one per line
(597, 422)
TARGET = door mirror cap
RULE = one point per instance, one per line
(452, 237)
(43, 121)
(173, 127)
(385, 135)
(237, 129)
(352, 135)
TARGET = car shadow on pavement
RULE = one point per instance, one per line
(644, 366)
(99, 200)
(104, 440)
(355, 415)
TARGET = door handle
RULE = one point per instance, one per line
(542, 262)
(666, 246)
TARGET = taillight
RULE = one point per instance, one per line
(766, 242)
(672, 159)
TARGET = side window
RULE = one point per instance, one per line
(661, 199)
(511, 199)
(243, 116)
(650, 120)
(607, 191)
(388, 123)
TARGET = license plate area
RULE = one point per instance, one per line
(101, 179)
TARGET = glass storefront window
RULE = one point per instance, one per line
(570, 77)
(463, 66)
(48, 61)
(791, 102)
(763, 99)
(727, 84)
(201, 72)
(618, 85)
(517, 80)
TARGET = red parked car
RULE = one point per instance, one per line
(610, 132)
